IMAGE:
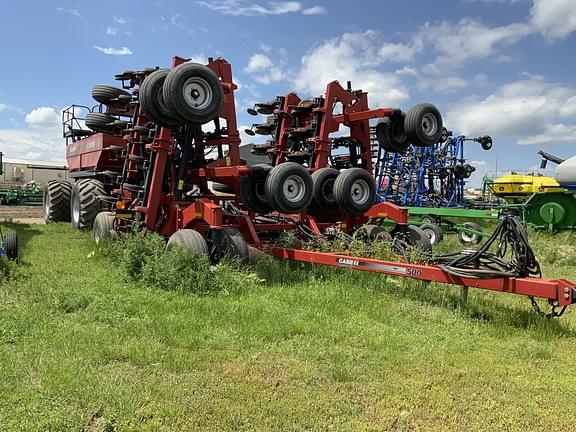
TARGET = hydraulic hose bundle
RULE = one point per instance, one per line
(509, 236)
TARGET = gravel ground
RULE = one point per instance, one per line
(22, 214)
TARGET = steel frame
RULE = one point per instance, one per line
(324, 121)
(559, 292)
(164, 213)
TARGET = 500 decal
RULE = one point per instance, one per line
(413, 272)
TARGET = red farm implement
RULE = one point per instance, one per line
(148, 156)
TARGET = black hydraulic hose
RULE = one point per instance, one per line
(511, 235)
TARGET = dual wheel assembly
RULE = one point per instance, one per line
(189, 93)
(78, 203)
(469, 233)
(420, 126)
(399, 237)
(289, 188)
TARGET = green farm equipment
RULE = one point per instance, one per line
(541, 202)
(553, 211)
(29, 195)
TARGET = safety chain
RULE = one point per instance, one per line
(552, 314)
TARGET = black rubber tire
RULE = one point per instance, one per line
(434, 232)
(103, 227)
(11, 245)
(467, 238)
(414, 237)
(346, 187)
(372, 233)
(275, 187)
(175, 86)
(152, 100)
(85, 203)
(423, 125)
(188, 239)
(443, 136)
(391, 135)
(108, 95)
(253, 189)
(323, 195)
(100, 122)
(459, 172)
(228, 243)
(253, 195)
(56, 201)
(486, 142)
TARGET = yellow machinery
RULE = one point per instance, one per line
(517, 188)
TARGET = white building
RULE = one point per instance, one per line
(20, 171)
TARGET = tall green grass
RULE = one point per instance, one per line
(145, 260)
(120, 340)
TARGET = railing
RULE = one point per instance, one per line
(73, 126)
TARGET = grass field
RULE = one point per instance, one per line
(279, 347)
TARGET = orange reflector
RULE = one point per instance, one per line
(121, 205)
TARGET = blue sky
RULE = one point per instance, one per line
(498, 67)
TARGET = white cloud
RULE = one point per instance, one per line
(353, 56)
(483, 168)
(4, 107)
(314, 10)
(114, 51)
(553, 134)
(32, 144)
(555, 19)
(70, 11)
(399, 52)
(264, 70)
(121, 20)
(258, 62)
(443, 83)
(568, 109)
(198, 58)
(112, 31)
(469, 40)
(528, 110)
(407, 71)
(43, 118)
(244, 8)
(265, 47)
(41, 140)
(495, 1)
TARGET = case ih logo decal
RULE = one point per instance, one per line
(348, 262)
(384, 268)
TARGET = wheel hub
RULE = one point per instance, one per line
(76, 209)
(429, 124)
(197, 93)
(328, 189)
(294, 188)
(360, 192)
